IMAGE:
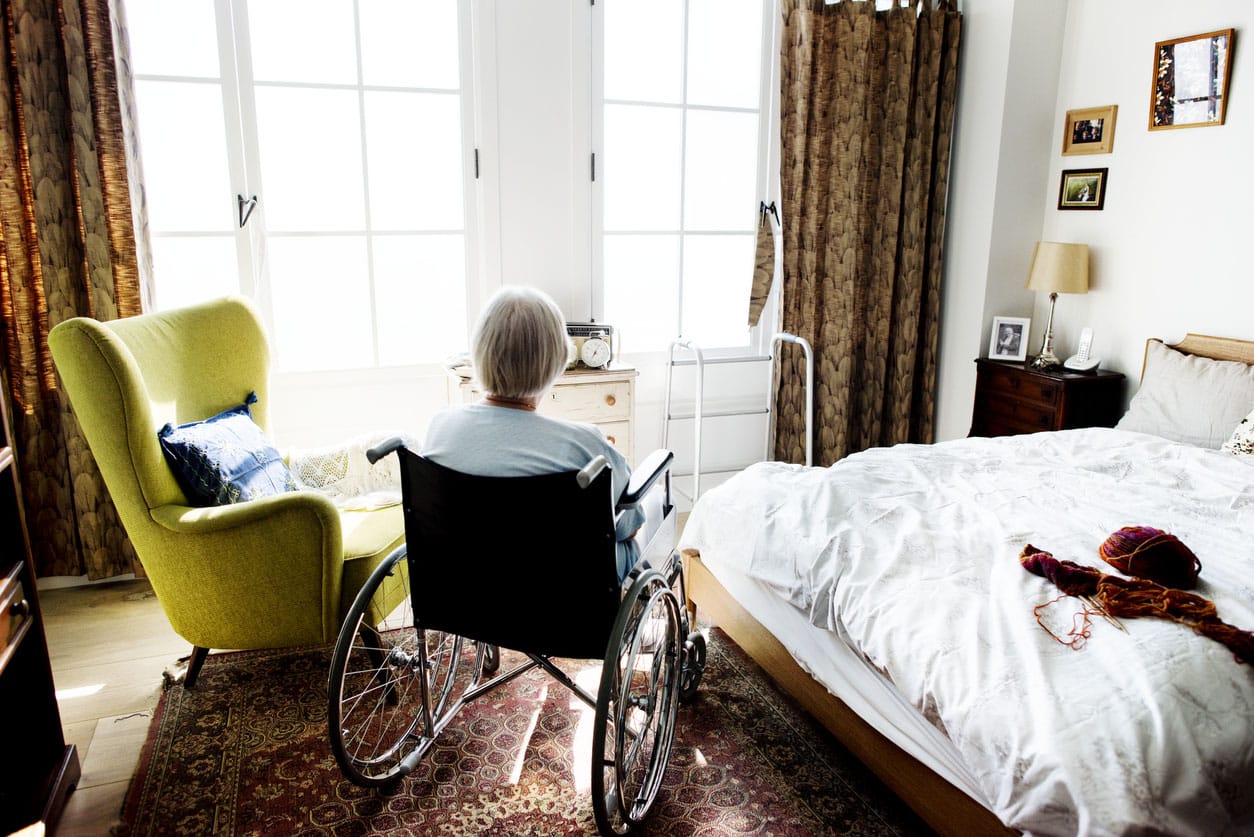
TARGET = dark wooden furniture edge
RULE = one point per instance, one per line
(944, 807)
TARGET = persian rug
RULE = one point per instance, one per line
(246, 752)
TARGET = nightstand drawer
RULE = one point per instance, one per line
(1025, 414)
(609, 401)
(1014, 381)
(619, 434)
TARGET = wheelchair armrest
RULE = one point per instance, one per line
(644, 476)
(384, 448)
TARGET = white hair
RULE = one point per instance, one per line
(520, 345)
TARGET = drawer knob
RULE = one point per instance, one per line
(611, 439)
(611, 400)
(20, 609)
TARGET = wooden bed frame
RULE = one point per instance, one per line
(942, 805)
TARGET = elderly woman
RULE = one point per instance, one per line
(519, 349)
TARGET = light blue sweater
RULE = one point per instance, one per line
(498, 441)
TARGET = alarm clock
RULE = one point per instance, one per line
(594, 344)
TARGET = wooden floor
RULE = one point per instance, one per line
(110, 644)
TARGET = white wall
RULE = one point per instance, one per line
(1002, 137)
(1173, 248)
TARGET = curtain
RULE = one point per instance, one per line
(867, 102)
(68, 247)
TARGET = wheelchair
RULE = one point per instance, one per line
(398, 678)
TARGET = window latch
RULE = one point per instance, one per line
(246, 207)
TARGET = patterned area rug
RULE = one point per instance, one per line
(246, 752)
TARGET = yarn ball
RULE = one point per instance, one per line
(1146, 552)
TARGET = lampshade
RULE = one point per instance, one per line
(1059, 267)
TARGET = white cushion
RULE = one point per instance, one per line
(1241, 442)
(1190, 399)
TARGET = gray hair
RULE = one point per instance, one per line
(520, 346)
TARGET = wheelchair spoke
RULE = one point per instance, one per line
(636, 706)
(389, 686)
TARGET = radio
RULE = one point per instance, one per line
(594, 344)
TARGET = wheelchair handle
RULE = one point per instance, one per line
(589, 472)
(384, 448)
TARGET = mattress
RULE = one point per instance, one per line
(908, 558)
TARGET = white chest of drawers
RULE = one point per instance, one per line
(604, 397)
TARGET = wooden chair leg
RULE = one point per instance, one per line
(193, 666)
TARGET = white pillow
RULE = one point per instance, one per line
(1241, 443)
(1189, 399)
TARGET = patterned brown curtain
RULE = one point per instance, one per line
(67, 248)
(867, 112)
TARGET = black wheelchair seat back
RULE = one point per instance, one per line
(525, 563)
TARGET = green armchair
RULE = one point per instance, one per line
(268, 573)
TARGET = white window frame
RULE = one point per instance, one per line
(762, 335)
(243, 160)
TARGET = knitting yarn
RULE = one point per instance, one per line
(1146, 552)
(1128, 598)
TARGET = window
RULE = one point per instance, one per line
(345, 120)
(681, 168)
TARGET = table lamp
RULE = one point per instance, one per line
(1059, 268)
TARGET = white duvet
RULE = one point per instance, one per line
(910, 555)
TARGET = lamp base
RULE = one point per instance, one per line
(1046, 360)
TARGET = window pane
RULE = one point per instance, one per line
(644, 50)
(190, 270)
(718, 271)
(641, 169)
(408, 44)
(414, 146)
(321, 297)
(720, 189)
(310, 146)
(641, 290)
(186, 179)
(420, 297)
(172, 39)
(308, 41)
(724, 52)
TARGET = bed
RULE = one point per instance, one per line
(885, 593)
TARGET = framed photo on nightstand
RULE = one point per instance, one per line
(1009, 340)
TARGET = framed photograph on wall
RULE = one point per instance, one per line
(1089, 131)
(1189, 85)
(1009, 340)
(1082, 189)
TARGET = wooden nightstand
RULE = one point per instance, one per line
(604, 397)
(1014, 398)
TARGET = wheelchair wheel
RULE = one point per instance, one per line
(377, 707)
(636, 705)
(693, 667)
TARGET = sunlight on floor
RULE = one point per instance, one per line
(79, 692)
(516, 773)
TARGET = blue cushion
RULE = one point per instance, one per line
(225, 459)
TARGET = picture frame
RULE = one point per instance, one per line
(1189, 84)
(1089, 130)
(1009, 339)
(1082, 188)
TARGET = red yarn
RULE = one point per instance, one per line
(1138, 597)
(1146, 552)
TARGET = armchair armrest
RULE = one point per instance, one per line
(263, 573)
(197, 520)
(644, 475)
